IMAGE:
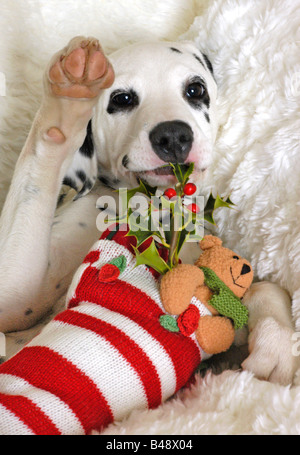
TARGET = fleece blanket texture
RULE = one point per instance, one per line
(254, 48)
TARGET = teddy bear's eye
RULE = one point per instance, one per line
(235, 257)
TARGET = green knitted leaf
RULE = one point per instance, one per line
(119, 262)
(169, 323)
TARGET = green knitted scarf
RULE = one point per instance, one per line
(224, 300)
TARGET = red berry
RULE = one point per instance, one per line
(169, 193)
(189, 189)
(193, 208)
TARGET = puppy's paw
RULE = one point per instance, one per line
(271, 352)
(80, 70)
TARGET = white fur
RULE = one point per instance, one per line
(256, 161)
(158, 76)
(256, 60)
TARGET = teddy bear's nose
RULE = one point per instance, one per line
(246, 269)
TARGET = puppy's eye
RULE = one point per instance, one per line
(235, 257)
(196, 94)
(122, 101)
(195, 90)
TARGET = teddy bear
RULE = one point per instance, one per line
(206, 296)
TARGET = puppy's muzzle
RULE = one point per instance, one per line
(172, 141)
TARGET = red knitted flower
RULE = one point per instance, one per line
(108, 273)
(188, 320)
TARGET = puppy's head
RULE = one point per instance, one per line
(161, 108)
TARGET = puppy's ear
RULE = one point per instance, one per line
(209, 241)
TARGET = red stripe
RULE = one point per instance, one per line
(30, 414)
(92, 256)
(131, 351)
(48, 370)
(139, 307)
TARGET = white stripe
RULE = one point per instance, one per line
(75, 281)
(11, 425)
(152, 348)
(59, 413)
(203, 310)
(139, 277)
(109, 250)
(100, 361)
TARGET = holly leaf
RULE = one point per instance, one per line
(140, 235)
(150, 190)
(214, 204)
(143, 188)
(188, 172)
(219, 202)
(183, 237)
(151, 258)
(209, 210)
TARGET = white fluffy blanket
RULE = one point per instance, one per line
(254, 47)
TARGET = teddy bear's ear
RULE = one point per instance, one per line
(209, 241)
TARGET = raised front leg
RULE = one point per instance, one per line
(73, 82)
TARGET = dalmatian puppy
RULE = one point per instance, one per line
(102, 124)
(159, 106)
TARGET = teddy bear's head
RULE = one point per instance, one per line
(231, 268)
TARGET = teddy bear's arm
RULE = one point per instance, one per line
(215, 334)
(178, 287)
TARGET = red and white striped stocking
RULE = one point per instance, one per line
(103, 357)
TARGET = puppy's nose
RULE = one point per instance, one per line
(246, 269)
(172, 141)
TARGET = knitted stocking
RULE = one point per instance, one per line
(103, 357)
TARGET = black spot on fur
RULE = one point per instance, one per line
(105, 181)
(199, 59)
(28, 312)
(81, 175)
(87, 148)
(70, 182)
(57, 286)
(174, 49)
(88, 185)
(208, 64)
(111, 183)
(125, 161)
(83, 225)
(207, 117)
